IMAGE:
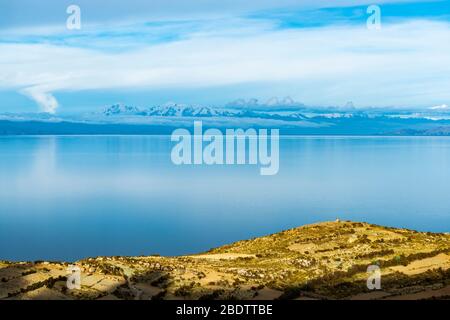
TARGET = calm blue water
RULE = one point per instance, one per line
(66, 198)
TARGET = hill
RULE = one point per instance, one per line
(320, 261)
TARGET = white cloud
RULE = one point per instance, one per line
(44, 99)
(402, 64)
(440, 107)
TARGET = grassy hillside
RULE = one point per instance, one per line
(321, 261)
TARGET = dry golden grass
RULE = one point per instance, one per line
(319, 261)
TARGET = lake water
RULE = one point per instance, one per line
(69, 197)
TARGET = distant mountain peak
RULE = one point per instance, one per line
(442, 107)
(273, 102)
(284, 102)
(349, 105)
(120, 108)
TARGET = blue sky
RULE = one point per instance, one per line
(319, 52)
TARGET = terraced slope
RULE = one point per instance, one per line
(321, 261)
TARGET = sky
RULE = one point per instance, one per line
(320, 53)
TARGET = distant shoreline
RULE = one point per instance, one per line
(45, 128)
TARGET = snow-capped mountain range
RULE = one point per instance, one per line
(275, 109)
(179, 110)
(168, 110)
(285, 114)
